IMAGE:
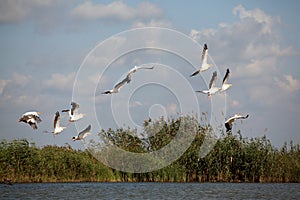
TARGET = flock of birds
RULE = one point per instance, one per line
(32, 117)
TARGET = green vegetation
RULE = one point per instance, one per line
(233, 159)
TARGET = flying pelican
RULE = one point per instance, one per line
(57, 128)
(225, 85)
(205, 66)
(212, 88)
(82, 134)
(127, 79)
(228, 122)
(31, 118)
(73, 113)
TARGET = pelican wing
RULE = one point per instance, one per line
(24, 118)
(213, 80)
(56, 120)
(145, 67)
(243, 117)
(228, 122)
(32, 124)
(203, 91)
(37, 118)
(135, 68)
(195, 73)
(122, 83)
(204, 54)
(74, 109)
(30, 117)
(226, 77)
(85, 132)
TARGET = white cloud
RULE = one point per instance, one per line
(3, 83)
(153, 23)
(289, 84)
(197, 35)
(19, 90)
(171, 109)
(257, 15)
(115, 11)
(135, 104)
(19, 80)
(60, 81)
(46, 15)
(12, 11)
(262, 50)
(257, 68)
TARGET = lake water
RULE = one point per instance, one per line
(150, 191)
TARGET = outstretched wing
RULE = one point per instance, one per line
(243, 117)
(204, 54)
(203, 91)
(37, 118)
(213, 80)
(56, 120)
(32, 124)
(226, 77)
(74, 109)
(85, 132)
(195, 73)
(145, 67)
(122, 83)
(24, 118)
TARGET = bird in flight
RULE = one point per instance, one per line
(204, 66)
(225, 85)
(212, 89)
(31, 118)
(229, 122)
(73, 113)
(82, 134)
(57, 128)
(127, 79)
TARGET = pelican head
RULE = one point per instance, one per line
(135, 68)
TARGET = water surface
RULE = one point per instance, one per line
(150, 191)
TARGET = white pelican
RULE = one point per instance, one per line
(228, 122)
(212, 88)
(73, 113)
(82, 134)
(31, 118)
(225, 85)
(127, 79)
(57, 128)
(205, 66)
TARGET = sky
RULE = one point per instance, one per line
(53, 52)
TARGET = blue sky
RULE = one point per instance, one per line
(43, 44)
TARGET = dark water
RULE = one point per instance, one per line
(150, 191)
